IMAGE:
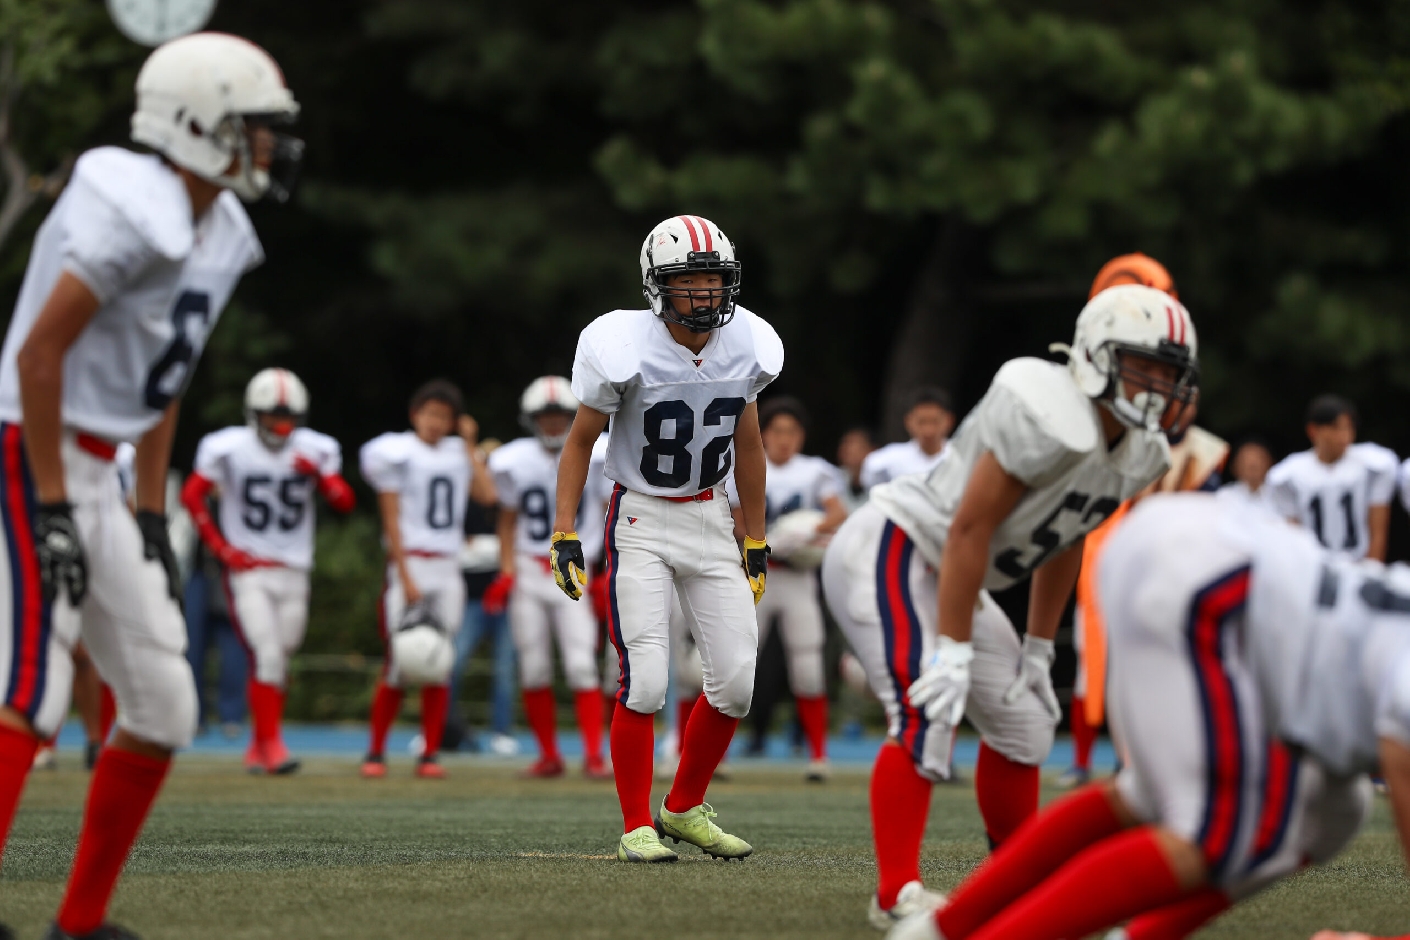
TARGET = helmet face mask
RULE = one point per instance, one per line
(687, 244)
(1141, 398)
(276, 403)
(248, 179)
(546, 396)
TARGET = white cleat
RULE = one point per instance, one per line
(911, 899)
(818, 771)
(917, 926)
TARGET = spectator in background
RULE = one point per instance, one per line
(1250, 466)
(208, 628)
(929, 421)
(852, 450)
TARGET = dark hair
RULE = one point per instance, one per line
(865, 430)
(440, 390)
(1250, 441)
(929, 395)
(782, 405)
(1326, 409)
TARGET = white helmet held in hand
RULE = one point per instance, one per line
(689, 244)
(420, 648)
(548, 394)
(277, 396)
(198, 99)
(1134, 322)
(794, 539)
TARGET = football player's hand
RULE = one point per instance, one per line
(496, 596)
(156, 546)
(756, 566)
(565, 556)
(468, 429)
(943, 688)
(597, 593)
(307, 467)
(234, 559)
(1035, 671)
(62, 562)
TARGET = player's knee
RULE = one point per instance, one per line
(733, 696)
(535, 672)
(271, 667)
(163, 710)
(1024, 746)
(580, 671)
(646, 694)
(805, 674)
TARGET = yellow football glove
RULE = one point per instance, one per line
(565, 555)
(756, 566)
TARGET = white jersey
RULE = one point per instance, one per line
(1404, 485)
(525, 479)
(1333, 500)
(1044, 431)
(123, 227)
(897, 460)
(432, 484)
(266, 506)
(802, 483)
(673, 411)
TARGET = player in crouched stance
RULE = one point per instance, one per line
(680, 382)
(266, 472)
(422, 478)
(128, 275)
(1048, 453)
(1256, 679)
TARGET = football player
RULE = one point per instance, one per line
(1048, 453)
(128, 275)
(930, 418)
(266, 471)
(1256, 679)
(1251, 464)
(525, 472)
(1339, 489)
(680, 382)
(423, 478)
(798, 483)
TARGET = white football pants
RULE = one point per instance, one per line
(538, 612)
(440, 582)
(792, 600)
(269, 609)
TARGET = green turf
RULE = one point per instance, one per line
(325, 854)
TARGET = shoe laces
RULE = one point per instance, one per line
(642, 838)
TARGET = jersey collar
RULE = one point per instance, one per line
(696, 361)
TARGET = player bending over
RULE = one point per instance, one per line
(128, 275)
(1048, 453)
(679, 381)
(265, 472)
(525, 472)
(1256, 679)
(423, 478)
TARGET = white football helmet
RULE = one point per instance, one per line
(197, 99)
(690, 243)
(279, 394)
(794, 539)
(420, 647)
(1134, 321)
(546, 394)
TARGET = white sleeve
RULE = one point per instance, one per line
(829, 481)
(382, 465)
(873, 472)
(591, 385)
(210, 458)
(331, 460)
(768, 349)
(501, 471)
(1011, 432)
(101, 247)
(1381, 488)
(1282, 492)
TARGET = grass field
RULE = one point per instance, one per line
(325, 854)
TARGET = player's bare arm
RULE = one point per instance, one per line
(1378, 527)
(1050, 590)
(989, 496)
(750, 469)
(389, 508)
(588, 425)
(66, 314)
(152, 461)
(505, 527)
(481, 483)
(835, 513)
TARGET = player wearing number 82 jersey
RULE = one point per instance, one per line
(679, 381)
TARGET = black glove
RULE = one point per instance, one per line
(62, 563)
(755, 558)
(156, 546)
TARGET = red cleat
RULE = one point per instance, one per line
(428, 769)
(597, 769)
(277, 762)
(254, 758)
(543, 769)
(374, 767)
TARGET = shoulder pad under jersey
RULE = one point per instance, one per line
(145, 192)
(768, 348)
(614, 339)
(1048, 393)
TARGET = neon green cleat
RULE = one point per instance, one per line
(694, 826)
(643, 845)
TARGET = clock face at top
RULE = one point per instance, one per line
(153, 22)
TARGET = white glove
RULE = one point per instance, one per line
(944, 685)
(1035, 671)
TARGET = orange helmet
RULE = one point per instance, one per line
(1134, 268)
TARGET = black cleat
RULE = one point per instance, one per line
(105, 932)
(6, 933)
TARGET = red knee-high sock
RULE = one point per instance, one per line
(1177, 921)
(119, 798)
(386, 703)
(684, 706)
(1033, 853)
(633, 750)
(542, 712)
(812, 715)
(588, 706)
(266, 705)
(434, 699)
(703, 746)
(900, 805)
(1132, 872)
(16, 758)
(107, 710)
(1007, 792)
(1083, 735)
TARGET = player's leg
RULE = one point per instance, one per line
(136, 635)
(529, 613)
(440, 580)
(1084, 734)
(1015, 736)
(387, 697)
(804, 634)
(290, 590)
(576, 632)
(254, 617)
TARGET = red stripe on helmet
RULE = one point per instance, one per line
(1170, 321)
(279, 383)
(1184, 323)
(690, 227)
(705, 227)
